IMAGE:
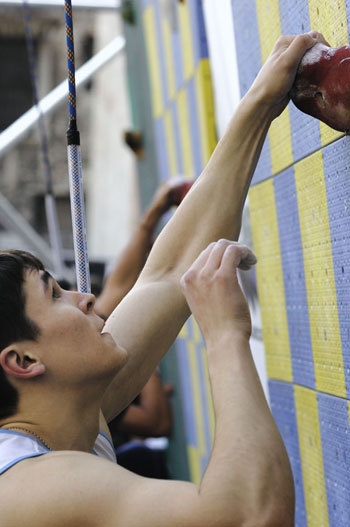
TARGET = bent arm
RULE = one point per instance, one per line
(248, 481)
(148, 320)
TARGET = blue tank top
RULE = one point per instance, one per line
(16, 446)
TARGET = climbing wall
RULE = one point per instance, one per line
(171, 94)
(181, 96)
(300, 215)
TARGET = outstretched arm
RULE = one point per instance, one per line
(150, 317)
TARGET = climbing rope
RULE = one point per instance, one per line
(75, 167)
(50, 203)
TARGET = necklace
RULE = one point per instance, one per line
(31, 433)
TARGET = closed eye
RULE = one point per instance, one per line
(56, 291)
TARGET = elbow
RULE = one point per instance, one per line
(278, 513)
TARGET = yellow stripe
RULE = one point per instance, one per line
(319, 275)
(209, 408)
(170, 142)
(330, 19)
(186, 40)
(270, 280)
(197, 337)
(194, 464)
(185, 133)
(206, 115)
(153, 60)
(269, 24)
(311, 457)
(184, 331)
(169, 62)
(197, 402)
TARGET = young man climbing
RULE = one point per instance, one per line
(63, 372)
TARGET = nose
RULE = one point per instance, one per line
(87, 302)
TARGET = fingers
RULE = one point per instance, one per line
(225, 254)
(213, 292)
(298, 45)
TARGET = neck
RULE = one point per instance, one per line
(64, 419)
(31, 433)
(58, 427)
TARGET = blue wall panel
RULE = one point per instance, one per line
(283, 410)
(337, 175)
(294, 279)
(335, 434)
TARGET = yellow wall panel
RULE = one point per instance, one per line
(269, 24)
(319, 275)
(311, 457)
(206, 115)
(186, 41)
(270, 280)
(194, 464)
(153, 61)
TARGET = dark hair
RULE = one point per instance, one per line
(15, 326)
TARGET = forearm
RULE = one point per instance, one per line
(249, 472)
(213, 207)
(211, 210)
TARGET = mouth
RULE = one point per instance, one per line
(101, 325)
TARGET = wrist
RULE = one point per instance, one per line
(257, 104)
(232, 340)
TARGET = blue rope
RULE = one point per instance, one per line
(50, 204)
(75, 167)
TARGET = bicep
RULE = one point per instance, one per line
(73, 488)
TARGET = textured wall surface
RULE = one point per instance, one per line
(299, 206)
(300, 216)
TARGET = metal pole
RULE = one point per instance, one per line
(14, 221)
(23, 125)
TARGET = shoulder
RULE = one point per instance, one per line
(75, 488)
(59, 488)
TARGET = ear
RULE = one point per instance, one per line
(19, 364)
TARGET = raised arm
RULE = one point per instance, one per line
(150, 317)
(249, 472)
